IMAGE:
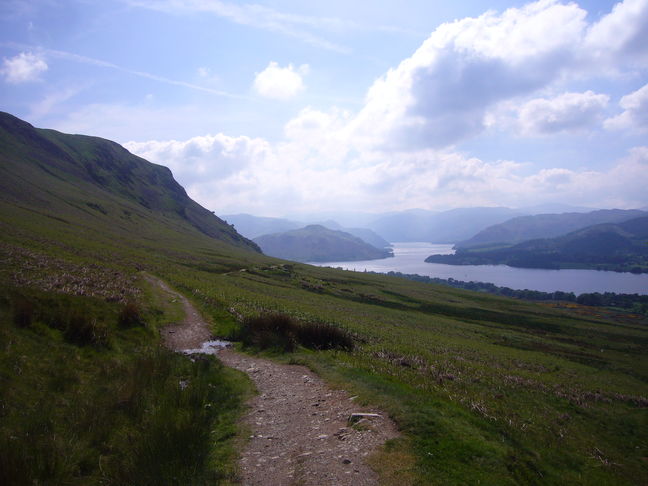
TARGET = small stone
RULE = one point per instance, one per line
(346, 461)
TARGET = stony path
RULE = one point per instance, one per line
(299, 427)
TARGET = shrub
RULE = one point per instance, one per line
(270, 331)
(84, 330)
(131, 315)
(282, 332)
(23, 311)
(319, 335)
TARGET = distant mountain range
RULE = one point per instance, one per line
(380, 229)
(438, 227)
(609, 246)
(525, 228)
(315, 243)
(100, 184)
(255, 226)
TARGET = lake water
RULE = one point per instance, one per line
(409, 258)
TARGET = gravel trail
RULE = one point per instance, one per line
(299, 427)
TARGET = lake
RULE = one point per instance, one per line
(409, 258)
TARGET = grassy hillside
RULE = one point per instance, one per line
(620, 247)
(526, 228)
(487, 390)
(99, 183)
(315, 243)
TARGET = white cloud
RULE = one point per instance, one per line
(280, 83)
(568, 112)
(635, 116)
(443, 92)
(233, 174)
(23, 68)
(623, 33)
(206, 159)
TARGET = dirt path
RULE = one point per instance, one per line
(299, 427)
(192, 331)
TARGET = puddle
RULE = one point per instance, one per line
(209, 347)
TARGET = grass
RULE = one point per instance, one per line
(78, 411)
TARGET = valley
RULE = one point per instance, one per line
(483, 389)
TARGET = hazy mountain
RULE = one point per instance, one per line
(254, 226)
(555, 208)
(368, 236)
(525, 228)
(438, 227)
(621, 247)
(315, 243)
(98, 181)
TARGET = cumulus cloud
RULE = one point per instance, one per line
(568, 112)
(635, 116)
(451, 87)
(442, 93)
(209, 158)
(280, 83)
(23, 68)
(230, 174)
(623, 33)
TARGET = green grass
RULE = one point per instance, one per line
(120, 412)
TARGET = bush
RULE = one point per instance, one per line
(319, 335)
(270, 331)
(23, 311)
(282, 332)
(130, 315)
(84, 330)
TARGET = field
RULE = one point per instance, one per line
(487, 390)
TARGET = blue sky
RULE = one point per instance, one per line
(284, 106)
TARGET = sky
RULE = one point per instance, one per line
(282, 107)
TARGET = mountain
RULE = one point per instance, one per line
(368, 236)
(315, 243)
(439, 227)
(555, 208)
(253, 226)
(98, 182)
(525, 228)
(620, 247)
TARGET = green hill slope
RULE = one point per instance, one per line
(525, 228)
(620, 247)
(315, 243)
(99, 183)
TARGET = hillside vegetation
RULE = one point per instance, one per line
(620, 247)
(486, 389)
(538, 226)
